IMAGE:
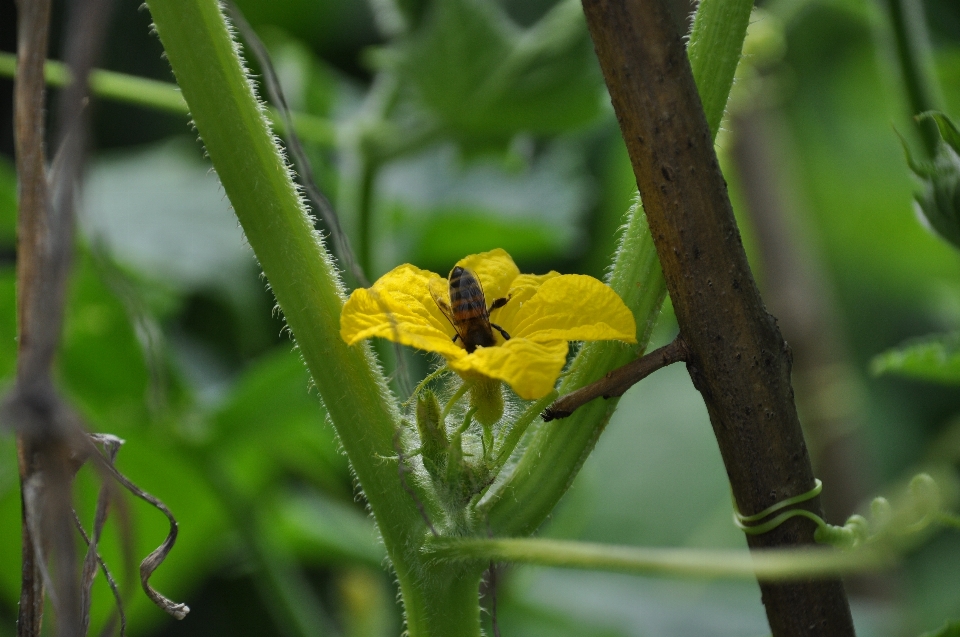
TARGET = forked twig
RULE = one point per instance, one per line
(617, 382)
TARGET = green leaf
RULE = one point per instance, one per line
(948, 130)
(101, 361)
(162, 212)
(934, 358)
(326, 531)
(448, 235)
(442, 206)
(271, 423)
(949, 629)
(484, 76)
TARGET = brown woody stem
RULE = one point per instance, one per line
(737, 358)
(618, 381)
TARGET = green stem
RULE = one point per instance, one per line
(446, 602)
(912, 45)
(162, 96)
(302, 276)
(557, 451)
(716, 42)
(360, 148)
(783, 564)
(457, 395)
(367, 174)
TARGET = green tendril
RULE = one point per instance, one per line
(850, 535)
(770, 525)
(857, 530)
(797, 499)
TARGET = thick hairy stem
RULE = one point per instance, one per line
(258, 182)
(736, 356)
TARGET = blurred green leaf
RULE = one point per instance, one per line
(521, 617)
(272, 424)
(948, 130)
(335, 26)
(309, 83)
(449, 234)
(162, 212)
(950, 629)
(325, 531)
(442, 207)
(484, 76)
(101, 361)
(935, 358)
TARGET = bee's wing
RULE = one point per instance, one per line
(437, 289)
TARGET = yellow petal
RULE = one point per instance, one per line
(522, 289)
(574, 307)
(495, 269)
(530, 368)
(399, 307)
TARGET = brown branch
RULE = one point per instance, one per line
(737, 358)
(49, 452)
(32, 390)
(618, 381)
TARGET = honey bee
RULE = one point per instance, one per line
(468, 312)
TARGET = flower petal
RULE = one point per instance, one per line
(574, 307)
(530, 368)
(495, 269)
(399, 307)
(522, 289)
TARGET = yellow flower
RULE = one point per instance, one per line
(542, 314)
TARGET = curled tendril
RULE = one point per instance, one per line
(923, 508)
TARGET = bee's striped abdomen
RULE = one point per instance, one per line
(469, 307)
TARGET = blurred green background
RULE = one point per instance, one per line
(497, 133)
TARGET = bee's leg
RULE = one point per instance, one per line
(455, 337)
(502, 331)
(498, 303)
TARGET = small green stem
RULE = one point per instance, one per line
(457, 395)
(162, 96)
(361, 148)
(914, 58)
(367, 174)
(783, 564)
(423, 383)
(467, 419)
(949, 519)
